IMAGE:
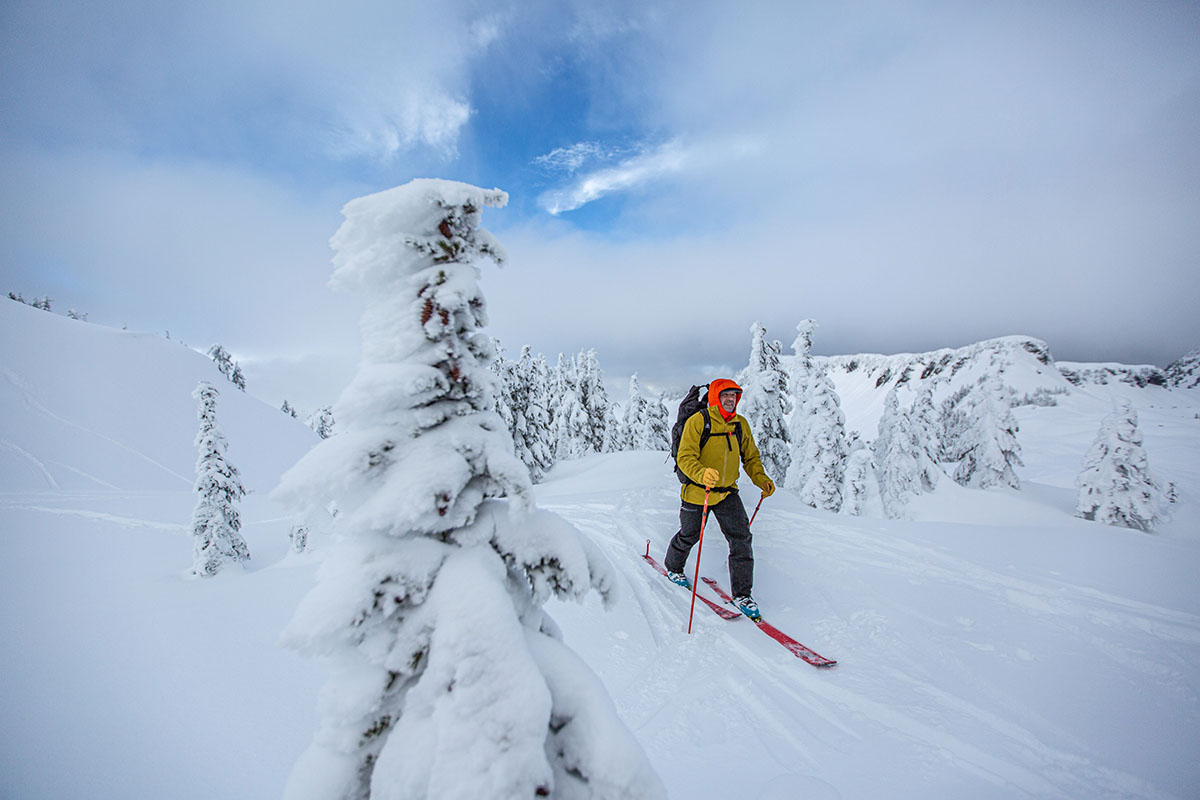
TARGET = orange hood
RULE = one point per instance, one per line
(714, 396)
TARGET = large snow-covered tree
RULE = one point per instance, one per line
(897, 456)
(766, 403)
(798, 386)
(531, 432)
(216, 524)
(451, 681)
(573, 431)
(593, 397)
(987, 448)
(926, 430)
(819, 459)
(1115, 486)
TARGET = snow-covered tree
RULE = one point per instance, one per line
(926, 430)
(298, 536)
(897, 457)
(289, 409)
(521, 404)
(594, 399)
(988, 449)
(220, 357)
(859, 484)
(237, 378)
(818, 461)
(451, 680)
(1115, 486)
(216, 524)
(644, 423)
(321, 421)
(798, 386)
(766, 403)
(572, 428)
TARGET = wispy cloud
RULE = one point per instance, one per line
(570, 159)
(638, 170)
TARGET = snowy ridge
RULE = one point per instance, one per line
(1023, 364)
(1140, 376)
(1184, 372)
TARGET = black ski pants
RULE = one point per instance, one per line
(731, 514)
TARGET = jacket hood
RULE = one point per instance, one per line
(714, 396)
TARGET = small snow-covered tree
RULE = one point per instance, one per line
(988, 446)
(798, 386)
(645, 421)
(216, 524)
(221, 358)
(322, 422)
(1115, 486)
(451, 681)
(897, 457)
(237, 378)
(289, 409)
(594, 399)
(859, 484)
(766, 403)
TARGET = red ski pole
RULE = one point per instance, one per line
(699, 548)
(756, 508)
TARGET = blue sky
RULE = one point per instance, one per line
(911, 175)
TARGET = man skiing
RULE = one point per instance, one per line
(707, 462)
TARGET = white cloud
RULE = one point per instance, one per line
(666, 159)
(570, 159)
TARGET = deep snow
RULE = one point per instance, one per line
(992, 645)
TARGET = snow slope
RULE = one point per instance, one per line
(992, 646)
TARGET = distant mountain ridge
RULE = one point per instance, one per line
(1184, 372)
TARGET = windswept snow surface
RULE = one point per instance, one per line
(989, 646)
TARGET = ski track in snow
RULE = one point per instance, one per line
(794, 712)
(99, 516)
(31, 402)
(32, 459)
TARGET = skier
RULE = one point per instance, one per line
(711, 469)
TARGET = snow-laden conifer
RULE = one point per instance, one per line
(1115, 486)
(897, 457)
(798, 386)
(926, 429)
(450, 681)
(859, 484)
(530, 418)
(322, 422)
(645, 421)
(766, 403)
(216, 524)
(594, 399)
(573, 432)
(987, 446)
(819, 462)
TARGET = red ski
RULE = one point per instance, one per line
(794, 647)
(720, 610)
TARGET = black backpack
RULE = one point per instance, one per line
(694, 402)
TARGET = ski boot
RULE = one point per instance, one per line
(680, 578)
(747, 606)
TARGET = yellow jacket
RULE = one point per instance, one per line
(720, 453)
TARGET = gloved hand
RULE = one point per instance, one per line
(768, 488)
(710, 477)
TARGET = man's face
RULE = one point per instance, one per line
(728, 399)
